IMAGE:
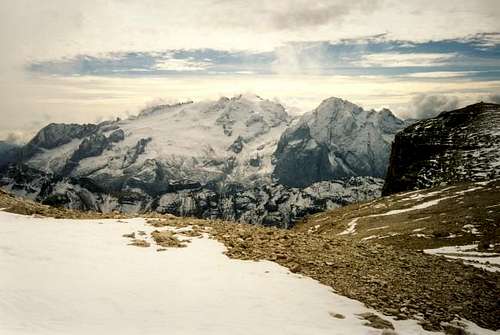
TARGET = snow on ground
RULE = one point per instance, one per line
(351, 226)
(81, 277)
(422, 205)
(468, 253)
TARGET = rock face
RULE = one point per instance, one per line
(456, 146)
(211, 159)
(266, 204)
(55, 135)
(337, 140)
(8, 152)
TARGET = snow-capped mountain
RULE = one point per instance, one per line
(235, 158)
(229, 139)
(337, 140)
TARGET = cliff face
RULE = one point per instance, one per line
(456, 146)
(337, 140)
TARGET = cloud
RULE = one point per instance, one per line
(494, 98)
(425, 106)
(361, 56)
(300, 14)
(394, 59)
(441, 74)
(182, 65)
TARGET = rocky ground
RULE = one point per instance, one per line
(395, 278)
(13, 204)
(460, 214)
(400, 282)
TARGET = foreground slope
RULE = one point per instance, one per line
(402, 283)
(80, 277)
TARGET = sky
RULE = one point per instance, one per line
(93, 60)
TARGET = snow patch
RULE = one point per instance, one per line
(81, 277)
(468, 253)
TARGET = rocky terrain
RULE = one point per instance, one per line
(397, 279)
(456, 146)
(461, 214)
(232, 159)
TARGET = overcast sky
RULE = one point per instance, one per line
(85, 61)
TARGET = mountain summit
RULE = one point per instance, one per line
(336, 140)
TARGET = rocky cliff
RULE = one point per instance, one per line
(456, 146)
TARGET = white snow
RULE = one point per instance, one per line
(81, 277)
(351, 226)
(371, 237)
(468, 190)
(470, 228)
(377, 228)
(186, 136)
(468, 253)
(422, 205)
(54, 159)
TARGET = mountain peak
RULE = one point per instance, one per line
(248, 96)
(338, 139)
(334, 108)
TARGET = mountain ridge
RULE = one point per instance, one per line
(207, 159)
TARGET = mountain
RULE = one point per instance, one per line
(456, 146)
(233, 158)
(337, 140)
(229, 139)
(8, 152)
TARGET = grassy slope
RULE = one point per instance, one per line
(451, 215)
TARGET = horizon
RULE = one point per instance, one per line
(291, 110)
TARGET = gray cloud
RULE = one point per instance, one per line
(425, 106)
(310, 14)
(288, 14)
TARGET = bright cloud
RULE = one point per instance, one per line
(181, 65)
(442, 74)
(405, 60)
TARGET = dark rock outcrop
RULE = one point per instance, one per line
(456, 146)
(267, 204)
(57, 134)
(9, 152)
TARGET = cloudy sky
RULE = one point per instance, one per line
(86, 61)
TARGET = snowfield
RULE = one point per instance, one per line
(81, 277)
